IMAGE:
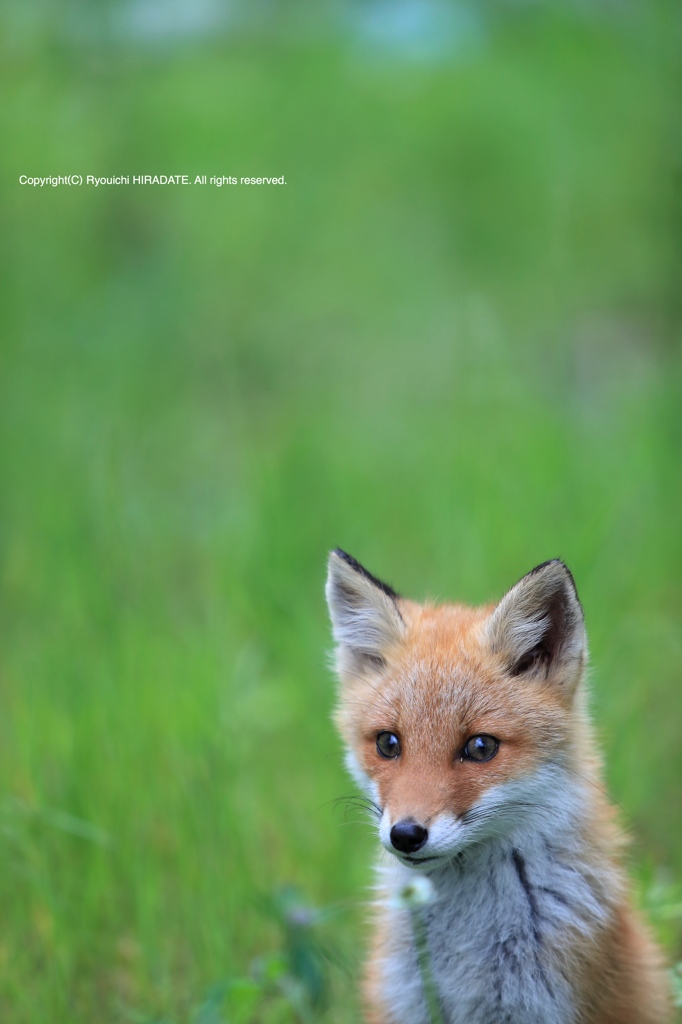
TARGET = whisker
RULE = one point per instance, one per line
(357, 803)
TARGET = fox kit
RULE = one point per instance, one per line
(466, 728)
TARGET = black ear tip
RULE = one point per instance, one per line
(556, 564)
(545, 565)
(357, 567)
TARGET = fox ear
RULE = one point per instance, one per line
(366, 622)
(538, 627)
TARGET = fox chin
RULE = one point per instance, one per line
(467, 730)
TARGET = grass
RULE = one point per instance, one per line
(450, 344)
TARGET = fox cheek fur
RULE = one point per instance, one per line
(466, 728)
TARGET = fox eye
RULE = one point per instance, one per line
(388, 744)
(480, 748)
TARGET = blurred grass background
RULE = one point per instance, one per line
(450, 344)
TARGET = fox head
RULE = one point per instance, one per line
(459, 723)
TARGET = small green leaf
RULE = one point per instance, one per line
(676, 980)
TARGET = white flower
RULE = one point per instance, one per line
(418, 892)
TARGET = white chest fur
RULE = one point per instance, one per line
(499, 934)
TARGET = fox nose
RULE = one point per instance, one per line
(407, 836)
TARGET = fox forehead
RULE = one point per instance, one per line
(441, 656)
(444, 678)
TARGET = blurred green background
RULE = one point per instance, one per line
(449, 344)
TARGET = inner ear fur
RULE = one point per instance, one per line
(366, 620)
(538, 626)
